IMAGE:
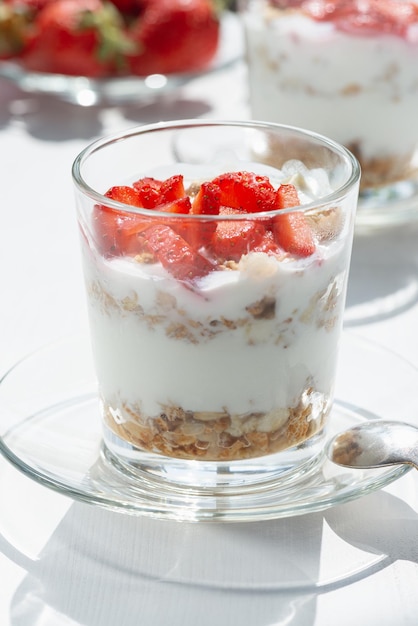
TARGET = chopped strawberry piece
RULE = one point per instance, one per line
(293, 234)
(287, 197)
(175, 240)
(255, 193)
(124, 194)
(269, 245)
(226, 183)
(113, 228)
(291, 230)
(172, 189)
(248, 191)
(155, 192)
(117, 232)
(233, 238)
(206, 202)
(174, 253)
(148, 190)
(180, 205)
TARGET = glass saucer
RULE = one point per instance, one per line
(393, 206)
(50, 429)
(127, 89)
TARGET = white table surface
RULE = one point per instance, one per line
(66, 563)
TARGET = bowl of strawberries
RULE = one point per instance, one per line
(90, 51)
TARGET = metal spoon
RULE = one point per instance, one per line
(375, 444)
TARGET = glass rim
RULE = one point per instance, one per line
(135, 131)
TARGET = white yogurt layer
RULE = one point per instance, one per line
(157, 342)
(355, 89)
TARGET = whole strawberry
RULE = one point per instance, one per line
(77, 37)
(174, 36)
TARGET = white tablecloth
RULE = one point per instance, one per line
(68, 563)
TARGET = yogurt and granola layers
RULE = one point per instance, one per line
(345, 69)
(215, 336)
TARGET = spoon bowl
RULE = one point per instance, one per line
(374, 444)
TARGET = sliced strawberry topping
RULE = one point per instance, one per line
(184, 244)
(255, 193)
(117, 232)
(154, 192)
(206, 202)
(124, 194)
(291, 230)
(233, 238)
(148, 190)
(172, 189)
(287, 197)
(113, 228)
(174, 253)
(180, 205)
(245, 190)
(269, 245)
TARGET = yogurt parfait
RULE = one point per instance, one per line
(344, 69)
(216, 294)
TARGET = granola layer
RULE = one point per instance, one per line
(215, 436)
(384, 170)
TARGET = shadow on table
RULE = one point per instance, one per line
(384, 274)
(50, 119)
(101, 568)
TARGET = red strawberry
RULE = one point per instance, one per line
(206, 202)
(176, 242)
(233, 238)
(174, 36)
(113, 229)
(154, 192)
(117, 232)
(148, 189)
(172, 189)
(291, 230)
(174, 253)
(77, 37)
(181, 205)
(268, 245)
(287, 197)
(125, 195)
(248, 191)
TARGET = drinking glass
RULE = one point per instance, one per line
(347, 70)
(215, 297)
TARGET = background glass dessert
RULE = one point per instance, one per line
(215, 298)
(347, 70)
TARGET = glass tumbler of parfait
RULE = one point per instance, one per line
(347, 70)
(216, 256)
